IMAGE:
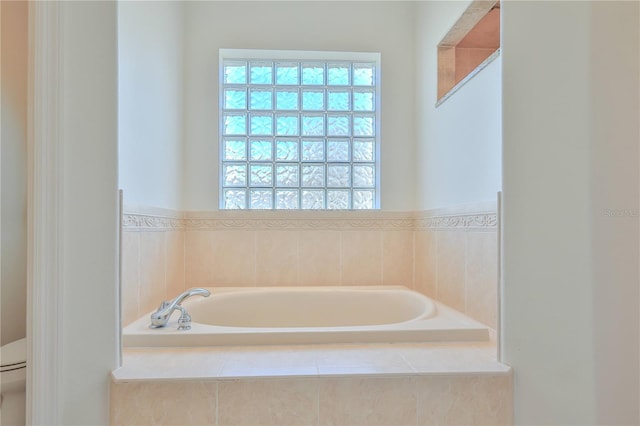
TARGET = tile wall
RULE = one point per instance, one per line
(456, 259)
(449, 255)
(469, 399)
(152, 261)
(298, 257)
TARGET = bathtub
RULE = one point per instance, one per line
(308, 315)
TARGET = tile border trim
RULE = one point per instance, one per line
(456, 218)
(469, 221)
(141, 222)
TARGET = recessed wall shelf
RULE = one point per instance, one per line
(470, 45)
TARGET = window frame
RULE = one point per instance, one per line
(299, 56)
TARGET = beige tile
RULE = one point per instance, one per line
(367, 401)
(152, 270)
(453, 358)
(361, 253)
(277, 258)
(361, 360)
(163, 403)
(232, 258)
(451, 268)
(268, 402)
(425, 263)
(197, 258)
(175, 263)
(397, 258)
(465, 400)
(130, 276)
(319, 258)
(269, 361)
(482, 277)
(170, 363)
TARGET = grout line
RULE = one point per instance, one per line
(340, 258)
(381, 246)
(184, 259)
(416, 397)
(317, 399)
(217, 416)
(255, 259)
(466, 259)
(298, 261)
(165, 293)
(436, 249)
(138, 275)
(413, 260)
(211, 263)
(382, 257)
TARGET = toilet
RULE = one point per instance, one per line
(13, 377)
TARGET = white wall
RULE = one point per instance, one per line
(150, 68)
(458, 142)
(385, 27)
(89, 210)
(615, 206)
(570, 292)
(14, 170)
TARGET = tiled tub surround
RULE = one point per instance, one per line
(164, 251)
(456, 259)
(152, 262)
(373, 384)
(407, 384)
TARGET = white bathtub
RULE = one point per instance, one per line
(308, 315)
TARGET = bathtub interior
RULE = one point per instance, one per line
(318, 315)
(294, 307)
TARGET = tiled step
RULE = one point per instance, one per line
(316, 385)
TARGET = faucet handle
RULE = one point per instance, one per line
(184, 322)
(165, 304)
(158, 318)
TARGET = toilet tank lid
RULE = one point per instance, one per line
(14, 352)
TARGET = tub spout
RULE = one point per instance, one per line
(160, 317)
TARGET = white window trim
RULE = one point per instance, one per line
(301, 55)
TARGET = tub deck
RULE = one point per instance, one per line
(374, 384)
(433, 323)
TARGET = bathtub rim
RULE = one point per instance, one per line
(448, 326)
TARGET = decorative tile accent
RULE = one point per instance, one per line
(151, 219)
(459, 221)
(132, 222)
(338, 220)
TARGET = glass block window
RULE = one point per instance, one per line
(299, 130)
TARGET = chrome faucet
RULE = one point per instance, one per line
(160, 317)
